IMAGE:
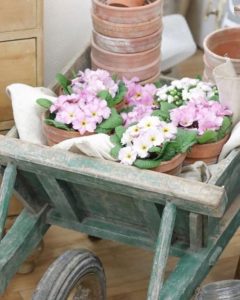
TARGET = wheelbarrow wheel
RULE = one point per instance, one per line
(75, 275)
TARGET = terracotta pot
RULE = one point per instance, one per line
(219, 45)
(124, 61)
(208, 153)
(122, 30)
(55, 135)
(152, 79)
(132, 15)
(125, 3)
(126, 45)
(143, 73)
(173, 166)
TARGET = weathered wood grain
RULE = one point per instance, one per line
(111, 176)
(21, 239)
(196, 231)
(162, 252)
(194, 266)
(6, 191)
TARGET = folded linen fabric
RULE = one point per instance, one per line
(228, 84)
(96, 145)
(26, 112)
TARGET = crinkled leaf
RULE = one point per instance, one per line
(160, 83)
(155, 149)
(225, 128)
(199, 77)
(185, 139)
(146, 163)
(164, 111)
(102, 130)
(115, 139)
(64, 82)
(57, 124)
(113, 121)
(214, 97)
(122, 89)
(120, 131)
(209, 136)
(44, 103)
(127, 109)
(170, 150)
(115, 151)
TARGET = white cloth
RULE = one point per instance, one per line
(27, 113)
(228, 84)
(97, 145)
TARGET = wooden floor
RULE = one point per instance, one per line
(127, 268)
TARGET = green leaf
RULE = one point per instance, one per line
(225, 128)
(161, 82)
(102, 130)
(44, 103)
(64, 82)
(57, 124)
(215, 98)
(209, 136)
(155, 149)
(113, 121)
(115, 139)
(104, 94)
(199, 77)
(115, 151)
(169, 151)
(122, 89)
(185, 139)
(146, 163)
(120, 131)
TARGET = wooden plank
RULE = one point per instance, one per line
(196, 231)
(20, 241)
(151, 217)
(6, 125)
(162, 251)
(6, 193)
(237, 274)
(195, 265)
(111, 176)
(17, 15)
(62, 204)
(16, 56)
(134, 236)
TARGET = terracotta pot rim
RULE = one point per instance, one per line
(214, 143)
(123, 2)
(129, 55)
(112, 69)
(127, 25)
(219, 31)
(137, 39)
(135, 8)
(171, 164)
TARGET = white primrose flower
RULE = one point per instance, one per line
(127, 155)
(149, 122)
(177, 84)
(168, 130)
(154, 136)
(126, 138)
(141, 146)
(133, 131)
(170, 99)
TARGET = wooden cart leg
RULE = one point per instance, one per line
(194, 266)
(237, 274)
(19, 242)
(162, 251)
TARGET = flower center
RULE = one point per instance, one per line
(165, 130)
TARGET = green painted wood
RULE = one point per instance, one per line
(162, 251)
(226, 174)
(111, 176)
(20, 241)
(58, 198)
(6, 192)
(151, 217)
(195, 265)
(196, 231)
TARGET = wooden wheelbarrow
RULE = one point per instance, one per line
(166, 214)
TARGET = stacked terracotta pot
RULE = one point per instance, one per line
(127, 39)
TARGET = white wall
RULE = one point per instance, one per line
(67, 29)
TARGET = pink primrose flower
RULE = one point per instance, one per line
(68, 113)
(136, 114)
(84, 124)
